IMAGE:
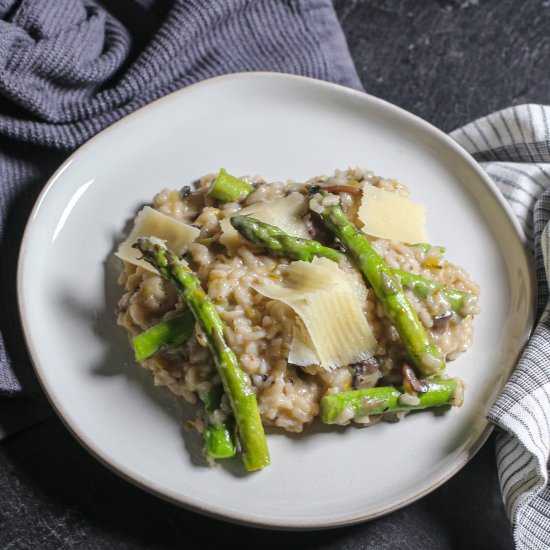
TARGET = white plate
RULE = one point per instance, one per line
(280, 127)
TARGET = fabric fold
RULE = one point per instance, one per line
(513, 147)
(74, 74)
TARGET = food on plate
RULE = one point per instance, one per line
(276, 303)
(235, 383)
(337, 408)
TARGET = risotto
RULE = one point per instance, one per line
(262, 329)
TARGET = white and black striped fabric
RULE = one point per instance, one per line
(513, 146)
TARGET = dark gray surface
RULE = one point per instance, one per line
(450, 61)
(447, 61)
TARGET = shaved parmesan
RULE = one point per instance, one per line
(152, 223)
(355, 279)
(331, 330)
(389, 216)
(285, 213)
(302, 351)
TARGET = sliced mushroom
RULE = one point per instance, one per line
(366, 373)
(411, 383)
(317, 230)
(442, 321)
(343, 189)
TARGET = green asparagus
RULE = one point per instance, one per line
(422, 353)
(241, 397)
(340, 408)
(171, 332)
(280, 243)
(218, 434)
(423, 288)
(228, 188)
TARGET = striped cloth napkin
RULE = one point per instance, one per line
(513, 146)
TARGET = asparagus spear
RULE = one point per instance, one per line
(426, 246)
(228, 188)
(339, 408)
(422, 353)
(423, 288)
(170, 332)
(235, 383)
(280, 243)
(218, 438)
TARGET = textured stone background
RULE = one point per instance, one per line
(448, 61)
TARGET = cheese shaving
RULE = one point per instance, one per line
(332, 330)
(153, 223)
(285, 213)
(387, 215)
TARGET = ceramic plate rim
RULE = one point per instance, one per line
(190, 503)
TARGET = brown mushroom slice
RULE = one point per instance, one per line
(366, 373)
(411, 383)
(343, 189)
(442, 321)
